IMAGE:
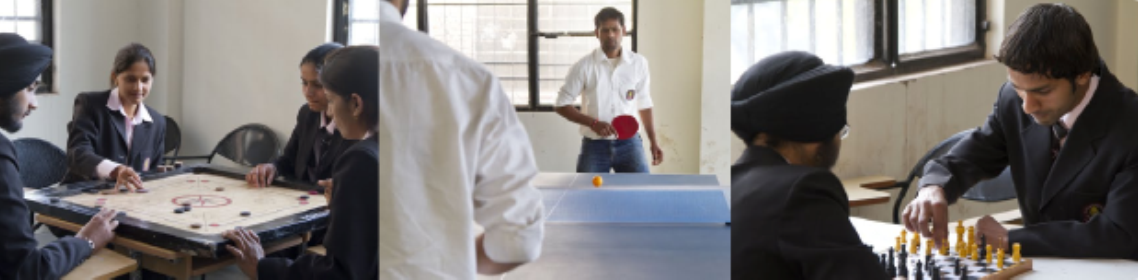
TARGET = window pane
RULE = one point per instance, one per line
(927, 25)
(411, 19)
(578, 15)
(7, 8)
(7, 26)
(556, 56)
(838, 31)
(365, 9)
(27, 8)
(363, 33)
(492, 32)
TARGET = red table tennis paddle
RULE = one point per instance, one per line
(626, 126)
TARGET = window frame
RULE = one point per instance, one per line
(46, 38)
(887, 62)
(341, 16)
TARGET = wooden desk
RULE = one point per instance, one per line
(174, 264)
(882, 234)
(860, 190)
(105, 264)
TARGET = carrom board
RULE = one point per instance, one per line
(216, 198)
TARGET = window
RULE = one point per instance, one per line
(356, 22)
(529, 44)
(32, 20)
(877, 38)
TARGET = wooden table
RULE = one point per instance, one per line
(175, 264)
(863, 190)
(882, 234)
(104, 264)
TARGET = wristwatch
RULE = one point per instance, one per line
(89, 242)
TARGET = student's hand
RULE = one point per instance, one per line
(262, 175)
(100, 229)
(657, 155)
(994, 233)
(485, 265)
(247, 252)
(603, 129)
(929, 207)
(327, 184)
(126, 177)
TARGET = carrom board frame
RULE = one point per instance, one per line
(177, 239)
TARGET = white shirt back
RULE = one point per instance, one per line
(452, 153)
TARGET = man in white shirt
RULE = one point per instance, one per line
(612, 81)
(452, 152)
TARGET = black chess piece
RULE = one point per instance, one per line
(903, 270)
(919, 269)
(963, 273)
(983, 246)
(935, 273)
(891, 265)
(883, 264)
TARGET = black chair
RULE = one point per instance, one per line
(918, 169)
(42, 164)
(996, 189)
(248, 145)
(173, 137)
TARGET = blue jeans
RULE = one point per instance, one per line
(621, 156)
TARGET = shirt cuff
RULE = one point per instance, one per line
(105, 167)
(522, 245)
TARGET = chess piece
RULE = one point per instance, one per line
(944, 247)
(1000, 258)
(898, 245)
(975, 253)
(903, 238)
(903, 270)
(989, 255)
(971, 235)
(959, 233)
(1015, 253)
(929, 247)
(915, 244)
(983, 245)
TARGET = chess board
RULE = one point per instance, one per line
(945, 265)
(214, 197)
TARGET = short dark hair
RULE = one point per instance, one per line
(1053, 40)
(316, 56)
(131, 54)
(608, 13)
(351, 70)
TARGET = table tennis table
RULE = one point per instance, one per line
(635, 226)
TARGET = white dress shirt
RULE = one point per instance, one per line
(452, 153)
(1069, 118)
(608, 88)
(106, 166)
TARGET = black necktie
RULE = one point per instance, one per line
(1058, 133)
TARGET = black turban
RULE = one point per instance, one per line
(20, 63)
(792, 96)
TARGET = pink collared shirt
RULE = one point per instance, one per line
(142, 115)
(1070, 118)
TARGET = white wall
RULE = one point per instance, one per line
(240, 65)
(672, 37)
(715, 128)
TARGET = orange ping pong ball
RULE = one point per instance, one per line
(597, 181)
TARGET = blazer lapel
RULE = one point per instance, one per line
(117, 120)
(1083, 142)
(308, 139)
(140, 144)
(1037, 149)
